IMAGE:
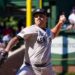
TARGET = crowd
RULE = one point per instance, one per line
(9, 27)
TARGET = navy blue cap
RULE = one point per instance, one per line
(42, 11)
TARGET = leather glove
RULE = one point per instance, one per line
(3, 56)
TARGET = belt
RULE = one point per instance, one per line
(37, 65)
(28, 64)
(40, 65)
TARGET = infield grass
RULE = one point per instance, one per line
(66, 74)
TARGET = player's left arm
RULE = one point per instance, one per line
(58, 26)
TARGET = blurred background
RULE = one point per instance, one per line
(13, 17)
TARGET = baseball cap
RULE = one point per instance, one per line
(42, 11)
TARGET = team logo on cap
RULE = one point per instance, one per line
(38, 9)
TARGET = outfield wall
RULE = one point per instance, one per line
(63, 50)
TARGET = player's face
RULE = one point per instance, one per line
(40, 20)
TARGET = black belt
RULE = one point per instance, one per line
(28, 64)
(37, 65)
(40, 65)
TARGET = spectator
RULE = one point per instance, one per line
(71, 19)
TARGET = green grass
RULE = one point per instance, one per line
(58, 59)
(66, 74)
(70, 55)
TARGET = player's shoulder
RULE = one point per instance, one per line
(30, 29)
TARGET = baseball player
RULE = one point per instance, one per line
(37, 39)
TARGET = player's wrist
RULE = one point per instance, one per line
(61, 21)
(4, 53)
(6, 50)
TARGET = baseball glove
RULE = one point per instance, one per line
(3, 56)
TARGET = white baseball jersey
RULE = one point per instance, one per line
(37, 45)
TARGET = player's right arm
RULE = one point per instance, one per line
(12, 43)
(23, 34)
(4, 53)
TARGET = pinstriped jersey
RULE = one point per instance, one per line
(37, 44)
